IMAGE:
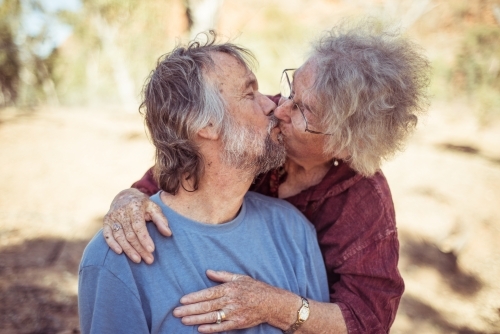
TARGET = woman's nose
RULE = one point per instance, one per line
(282, 112)
(282, 100)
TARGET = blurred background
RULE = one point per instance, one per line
(71, 72)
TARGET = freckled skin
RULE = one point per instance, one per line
(242, 298)
(135, 207)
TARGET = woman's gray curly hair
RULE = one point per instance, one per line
(373, 86)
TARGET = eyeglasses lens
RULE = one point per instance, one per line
(285, 86)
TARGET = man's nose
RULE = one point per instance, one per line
(268, 105)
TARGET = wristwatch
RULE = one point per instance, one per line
(302, 316)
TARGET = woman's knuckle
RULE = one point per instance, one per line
(130, 236)
(206, 307)
(210, 294)
(138, 225)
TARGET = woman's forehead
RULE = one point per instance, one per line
(305, 75)
(303, 83)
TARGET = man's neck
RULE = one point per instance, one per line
(218, 198)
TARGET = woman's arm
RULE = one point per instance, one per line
(247, 302)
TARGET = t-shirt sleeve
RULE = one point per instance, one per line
(107, 305)
(147, 184)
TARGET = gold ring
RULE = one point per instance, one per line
(219, 318)
(222, 315)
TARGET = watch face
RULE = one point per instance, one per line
(304, 313)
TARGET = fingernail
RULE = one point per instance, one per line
(136, 259)
(150, 249)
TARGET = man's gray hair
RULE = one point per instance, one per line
(178, 101)
(372, 85)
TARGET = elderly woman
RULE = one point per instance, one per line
(350, 106)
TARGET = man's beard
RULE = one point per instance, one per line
(244, 148)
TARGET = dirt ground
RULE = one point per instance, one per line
(61, 168)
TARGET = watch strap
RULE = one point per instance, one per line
(300, 321)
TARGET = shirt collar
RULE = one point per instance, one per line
(338, 179)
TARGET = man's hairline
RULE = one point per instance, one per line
(209, 71)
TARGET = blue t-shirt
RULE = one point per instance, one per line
(269, 240)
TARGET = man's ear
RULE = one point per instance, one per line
(209, 132)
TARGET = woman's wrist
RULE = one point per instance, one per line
(285, 307)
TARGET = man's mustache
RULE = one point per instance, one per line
(273, 122)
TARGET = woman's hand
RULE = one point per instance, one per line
(245, 302)
(124, 225)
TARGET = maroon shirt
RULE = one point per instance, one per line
(355, 221)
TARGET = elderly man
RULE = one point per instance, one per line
(350, 106)
(213, 134)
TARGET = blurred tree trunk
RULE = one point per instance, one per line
(108, 36)
(202, 15)
(113, 38)
(496, 13)
(10, 66)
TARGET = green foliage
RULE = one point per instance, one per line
(25, 75)
(460, 8)
(440, 77)
(477, 69)
(488, 99)
(115, 44)
(10, 65)
(478, 62)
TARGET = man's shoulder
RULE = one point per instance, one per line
(156, 198)
(98, 254)
(96, 251)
